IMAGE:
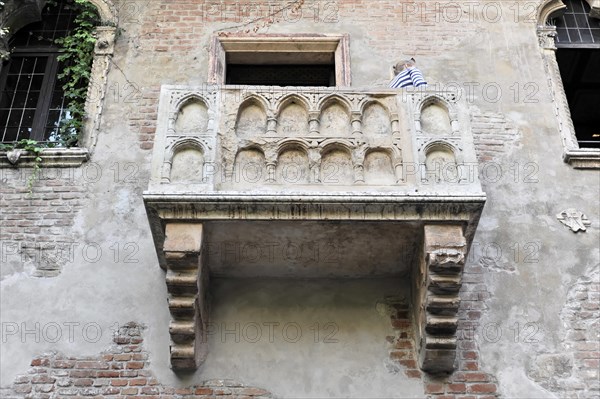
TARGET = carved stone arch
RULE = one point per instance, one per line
(335, 98)
(28, 11)
(336, 144)
(337, 166)
(336, 116)
(182, 144)
(259, 101)
(293, 115)
(181, 105)
(189, 143)
(440, 144)
(372, 122)
(107, 10)
(389, 151)
(554, 8)
(549, 9)
(291, 98)
(288, 144)
(363, 105)
(379, 166)
(251, 165)
(435, 99)
(250, 122)
(18, 14)
(293, 162)
(251, 147)
(446, 171)
(187, 99)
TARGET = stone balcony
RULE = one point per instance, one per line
(393, 171)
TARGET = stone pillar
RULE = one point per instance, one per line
(357, 124)
(313, 123)
(438, 281)
(187, 283)
(271, 125)
(396, 132)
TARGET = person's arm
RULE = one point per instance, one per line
(417, 77)
(403, 79)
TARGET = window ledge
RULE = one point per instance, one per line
(51, 158)
(583, 158)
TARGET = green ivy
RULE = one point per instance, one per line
(77, 54)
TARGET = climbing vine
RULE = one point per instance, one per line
(77, 54)
(76, 57)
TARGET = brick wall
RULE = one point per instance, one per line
(469, 381)
(121, 372)
(36, 223)
(493, 135)
(402, 343)
(171, 31)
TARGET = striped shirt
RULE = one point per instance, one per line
(409, 77)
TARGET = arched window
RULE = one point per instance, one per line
(578, 57)
(568, 37)
(32, 99)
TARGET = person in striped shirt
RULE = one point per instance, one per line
(407, 74)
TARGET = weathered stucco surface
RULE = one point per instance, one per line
(531, 333)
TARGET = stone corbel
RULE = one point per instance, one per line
(546, 35)
(105, 40)
(439, 282)
(187, 282)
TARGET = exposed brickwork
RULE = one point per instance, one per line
(402, 344)
(120, 372)
(493, 135)
(469, 381)
(574, 372)
(36, 225)
(143, 120)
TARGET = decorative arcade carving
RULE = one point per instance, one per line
(316, 155)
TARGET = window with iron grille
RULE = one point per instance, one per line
(32, 101)
(578, 56)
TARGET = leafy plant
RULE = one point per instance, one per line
(36, 149)
(77, 55)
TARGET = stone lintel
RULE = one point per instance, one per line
(187, 282)
(444, 252)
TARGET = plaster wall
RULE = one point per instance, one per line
(529, 259)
